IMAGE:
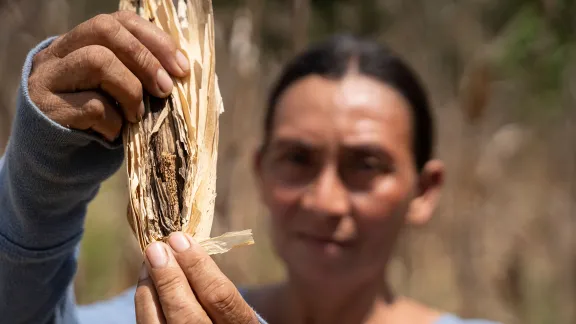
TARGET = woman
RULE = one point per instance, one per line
(346, 162)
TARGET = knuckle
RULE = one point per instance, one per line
(105, 26)
(40, 58)
(141, 294)
(94, 109)
(145, 59)
(220, 295)
(98, 58)
(125, 15)
(193, 265)
(52, 50)
(168, 282)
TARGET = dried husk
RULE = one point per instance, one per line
(171, 154)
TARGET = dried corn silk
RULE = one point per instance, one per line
(171, 154)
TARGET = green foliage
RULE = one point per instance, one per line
(497, 15)
(562, 20)
(361, 17)
(536, 53)
(328, 17)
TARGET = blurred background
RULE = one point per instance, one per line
(502, 79)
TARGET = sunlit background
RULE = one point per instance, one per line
(502, 77)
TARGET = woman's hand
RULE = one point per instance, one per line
(91, 78)
(181, 284)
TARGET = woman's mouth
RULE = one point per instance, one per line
(325, 241)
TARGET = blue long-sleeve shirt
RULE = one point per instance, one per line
(48, 175)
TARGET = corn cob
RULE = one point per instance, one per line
(171, 154)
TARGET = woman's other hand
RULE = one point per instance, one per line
(180, 283)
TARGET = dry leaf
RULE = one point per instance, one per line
(171, 154)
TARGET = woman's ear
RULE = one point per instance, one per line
(430, 184)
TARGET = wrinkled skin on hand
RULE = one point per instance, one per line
(92, 78)
(180, 283)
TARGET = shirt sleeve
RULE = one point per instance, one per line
(48, 175)
(453, 319)
(120, 310)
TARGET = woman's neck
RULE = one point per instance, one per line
(341, 302)
(298, 302)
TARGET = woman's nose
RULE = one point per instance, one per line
(327, 195)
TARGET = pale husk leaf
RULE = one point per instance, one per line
(171, 154)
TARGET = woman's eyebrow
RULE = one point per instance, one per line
(369, 148)
(291, 142)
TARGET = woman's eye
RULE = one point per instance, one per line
(372, 163)
(300, 158)
(294, 167)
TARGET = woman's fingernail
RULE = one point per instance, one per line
(182, 61)
(157, 255)
(141, 110)
(179, 242)
(164, 81)
(192, 241)
(143, 272)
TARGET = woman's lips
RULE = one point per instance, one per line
(325, 240)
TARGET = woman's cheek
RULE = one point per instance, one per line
(281, 200)
(387, 198)
(380, 220)
(392, 190)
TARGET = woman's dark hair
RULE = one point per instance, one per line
(332, 58)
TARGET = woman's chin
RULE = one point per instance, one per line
(319, 259)
(324, 249)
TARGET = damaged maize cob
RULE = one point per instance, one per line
(171, 154)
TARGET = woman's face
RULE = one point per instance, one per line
(339, 176)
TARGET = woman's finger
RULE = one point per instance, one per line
(90, 110)
(86, 110)
(148, 309)
(159, 42)
(96, 67)
(214, 290)
(140, 45)
(178, 302)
